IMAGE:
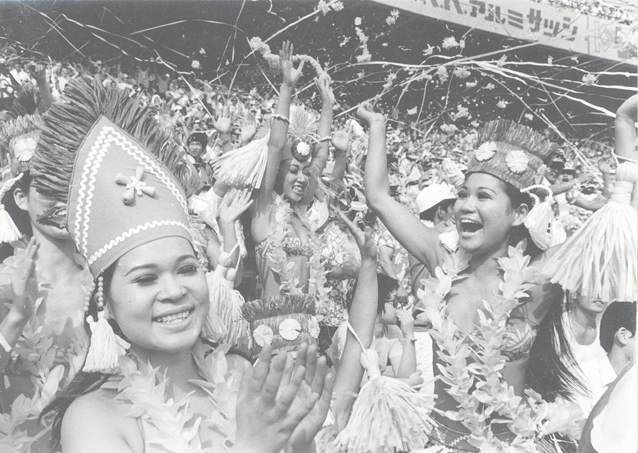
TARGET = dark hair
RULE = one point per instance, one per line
(20, 217)
(616, 316)
(83, 382)
(429, 214)
(551, 361)
(520, 232)
(385, 286)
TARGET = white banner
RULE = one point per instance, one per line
(562, 28)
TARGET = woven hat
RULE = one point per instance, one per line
(285, 322)
(513, 153)
(104, 156)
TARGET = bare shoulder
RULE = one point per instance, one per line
(98, 423)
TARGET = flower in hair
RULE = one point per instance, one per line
(485, 151)
(303, 149)
(517, 161)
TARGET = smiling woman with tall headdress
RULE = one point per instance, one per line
(150, 306)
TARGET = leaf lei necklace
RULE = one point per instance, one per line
(289, 284)
(471, 365)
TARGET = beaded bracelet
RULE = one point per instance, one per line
(277, 116)
(327, 138)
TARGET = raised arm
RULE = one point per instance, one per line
(419, 240)
(279, 126)
(563, 187)
(341, 143)
(23, 288)
(362, 316)
(626, 129)
(325, 122)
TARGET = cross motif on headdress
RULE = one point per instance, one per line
(134, 186)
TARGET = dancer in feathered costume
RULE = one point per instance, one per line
(43, 285)
(288, 256)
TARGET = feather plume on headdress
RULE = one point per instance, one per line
(18, 140)
(69, 121)
(302, 133)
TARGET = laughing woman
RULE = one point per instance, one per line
(487, 301)
(288, 184)
(149, 382)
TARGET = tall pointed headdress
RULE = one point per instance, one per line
(302, 133)
(103, 157)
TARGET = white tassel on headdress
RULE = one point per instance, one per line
(600, 259)
(539, 219)
(388, 415)
(243, 166)
(8, 230)
(214, 327)
(105, 349)
(224, 312)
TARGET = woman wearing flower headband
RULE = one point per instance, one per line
(289, 182)
(149, 382)
(486, 302)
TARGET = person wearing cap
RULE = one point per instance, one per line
(435, 204)
(196, 149)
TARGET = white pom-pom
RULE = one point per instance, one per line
(8, 230)
(106, 348)
(387, 416)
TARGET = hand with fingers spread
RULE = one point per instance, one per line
(317, 382)
(323, 83)
(364, 239)
(248, 129)
(234, 204)
(341, 140)
(290, 73)
(270, 405)
(222, 124)
(366, 113)
(23, 282)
